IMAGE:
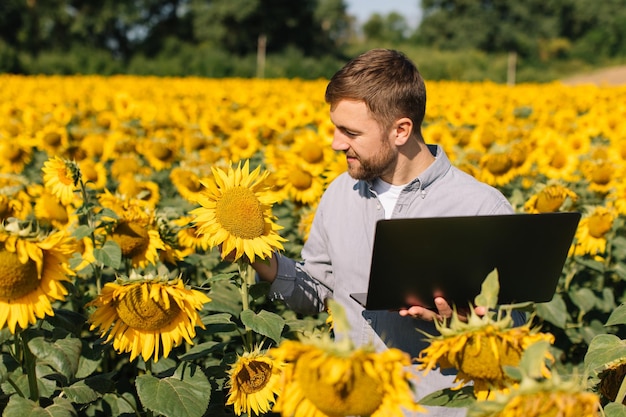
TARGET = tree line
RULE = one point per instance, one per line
(285, 38)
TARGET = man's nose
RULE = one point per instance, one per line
(339, 141)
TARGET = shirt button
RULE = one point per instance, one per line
(369, 321)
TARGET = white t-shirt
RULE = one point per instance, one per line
(387, 195)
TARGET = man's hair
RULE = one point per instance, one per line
(387, 81)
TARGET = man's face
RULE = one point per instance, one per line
(369, 150)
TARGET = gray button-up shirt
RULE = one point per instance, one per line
(337, 255)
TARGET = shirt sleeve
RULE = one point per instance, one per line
(297, 289)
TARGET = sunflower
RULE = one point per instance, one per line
(94, 174)
(253, 382)
(52, 139)
(50, 211)
(549, 199)
(236, 212)
(298, 184)
(15, 154)
(591, 234)
(480, 348)
(60, 178)
(187, 235)
(322, 377)
(497, 168)
(160, 150)
(148, 191)
(147, 315)
(535, 396)
(601, 174)
(14, 200)
(33, 267)
(611, 379)
(135, 229)
(187, 181)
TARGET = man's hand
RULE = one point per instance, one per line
(444, 311)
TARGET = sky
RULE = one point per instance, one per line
(363, 9)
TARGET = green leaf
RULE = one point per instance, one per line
(265, 323)
(82, 231)
(614, 410)
(119, 404)
(109, 255)
(489, 291)
(604, 349)
(584, 298)
(618, 316)
(554, 311)
(448, 397)
(225, 298)
(23, 407)
(62, 354)
(88, 390)
(534, 358)
(185, 395)
(200, 351)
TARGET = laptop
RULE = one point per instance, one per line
(414, 259)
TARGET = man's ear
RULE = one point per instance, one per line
(402, 129)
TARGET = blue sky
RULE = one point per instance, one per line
(363, 9)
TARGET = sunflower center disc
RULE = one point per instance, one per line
(161, 151)
(300, 179)
(479, 361)
(254, 376)
(600, 225)
(16, 279)
(548, 203)
(132, 238)
(240, 213)
(145, 314)
(52, 139)
(13, 153)
(312, 153)
(499, 164)
(361, 395)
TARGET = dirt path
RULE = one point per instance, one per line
(610, 76)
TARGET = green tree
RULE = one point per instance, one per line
(237, 25)
(596, 28)
(392, 27)
(490, 26)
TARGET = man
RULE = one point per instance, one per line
(377, 104)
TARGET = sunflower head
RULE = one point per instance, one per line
(236, 213)
(550, 199)
(33, 266)
(253, 382)
(322, 377)
(535, 396)
(61, 178)
(147, 315)
(481, 347)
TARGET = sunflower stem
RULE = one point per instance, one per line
(619, 398)
(90, 220)
(245, 297)
(31, 370)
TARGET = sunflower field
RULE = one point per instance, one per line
(131, 208)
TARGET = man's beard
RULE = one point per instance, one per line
(376, 166)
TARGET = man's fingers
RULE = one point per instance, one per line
(419, 313)
(443, 307)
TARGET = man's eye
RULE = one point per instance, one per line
(349, 133)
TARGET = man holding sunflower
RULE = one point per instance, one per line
(377, 104)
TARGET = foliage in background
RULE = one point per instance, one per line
(308, 39)
(146, 147)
